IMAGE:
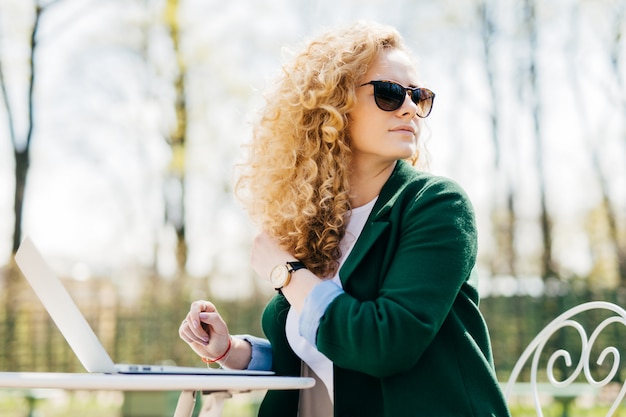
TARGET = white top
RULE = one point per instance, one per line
(319, 363)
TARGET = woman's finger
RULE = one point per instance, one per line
(188, 334)
(213, 324)
(193, 317)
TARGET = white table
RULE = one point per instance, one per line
(215, 388)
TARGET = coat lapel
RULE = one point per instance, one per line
(378, 219)
(368, 236)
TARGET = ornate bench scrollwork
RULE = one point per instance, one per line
(561, 358)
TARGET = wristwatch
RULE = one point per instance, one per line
(281, 274)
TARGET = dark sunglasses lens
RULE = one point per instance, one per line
(389, 96)
(424, 100)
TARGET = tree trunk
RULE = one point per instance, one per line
(175, 202)
(548, 269)
(22, 166)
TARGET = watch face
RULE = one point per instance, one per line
(279, 276)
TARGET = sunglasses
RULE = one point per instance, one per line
(390, 96)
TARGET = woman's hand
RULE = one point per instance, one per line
(266, 254)
(204, 330)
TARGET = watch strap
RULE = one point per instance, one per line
(294, 266)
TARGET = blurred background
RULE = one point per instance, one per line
(121, 122)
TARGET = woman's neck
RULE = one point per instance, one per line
(365, 184)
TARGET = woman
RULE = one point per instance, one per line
(372, 258)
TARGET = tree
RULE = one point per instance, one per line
(617, 65)
(21, 148)
(593, 143)
(174, 192)
(529, 9)
(503, 210)
(21, 152)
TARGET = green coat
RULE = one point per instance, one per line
(407, 338)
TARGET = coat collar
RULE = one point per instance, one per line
(377, 221)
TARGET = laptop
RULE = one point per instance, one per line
(76, 330)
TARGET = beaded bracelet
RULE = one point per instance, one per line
(207, 361)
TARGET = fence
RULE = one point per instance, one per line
(139, 330)
(145, 329)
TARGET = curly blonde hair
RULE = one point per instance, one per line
(295, 182)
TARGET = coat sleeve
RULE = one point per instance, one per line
(429, 250)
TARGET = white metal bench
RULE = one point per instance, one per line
(581, 371)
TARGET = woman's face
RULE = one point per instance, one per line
(380, 137)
